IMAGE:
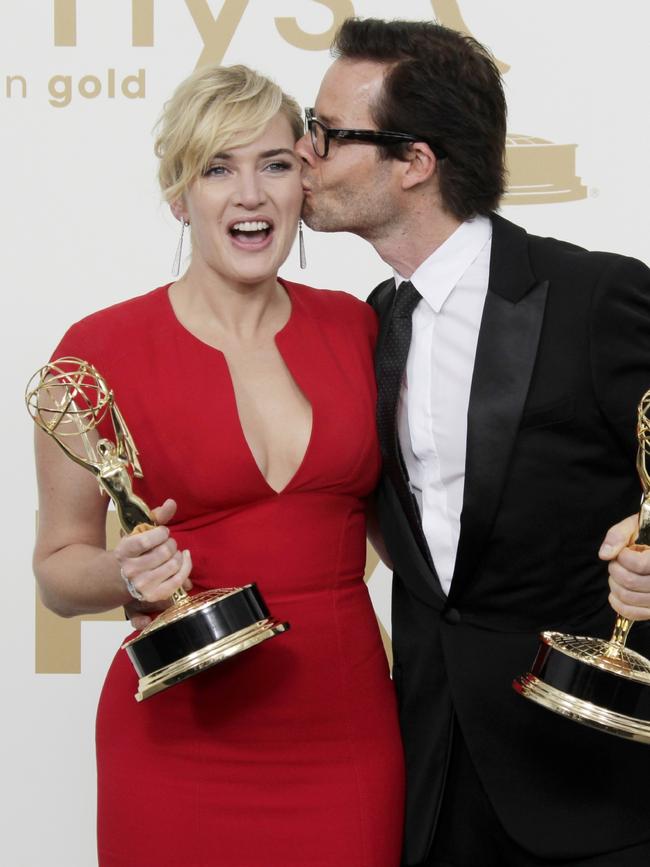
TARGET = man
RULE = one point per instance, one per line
(509, 448)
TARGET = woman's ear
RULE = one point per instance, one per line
(420, 165)
(178, 209)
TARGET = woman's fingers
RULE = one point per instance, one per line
(185, 570)
(152, 562)
(148, 560)
(163, 514)
(142, 613)
(156, 585)
(161, 583)
(150, 583)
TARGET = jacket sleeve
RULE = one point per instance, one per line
(620, 345)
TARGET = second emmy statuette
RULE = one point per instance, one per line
(68, 399)
(602, 684)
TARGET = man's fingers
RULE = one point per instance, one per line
(618, 537)
(632, 612)
(635, 560)
(627, 596)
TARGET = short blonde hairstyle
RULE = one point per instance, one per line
(215, 108)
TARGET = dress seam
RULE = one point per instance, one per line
(341, 669)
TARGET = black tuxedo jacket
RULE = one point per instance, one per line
(563, 358)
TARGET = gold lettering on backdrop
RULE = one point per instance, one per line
(10, 80)
(65, 22)
(58, 639)
(61, 87)
(290, 31)
(216, 33)
(136, 92)
(142, 22)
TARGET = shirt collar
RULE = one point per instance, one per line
(440, 272)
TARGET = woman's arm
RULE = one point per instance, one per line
(75, 573)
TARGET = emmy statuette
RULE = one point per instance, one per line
(596, 682)
(68, 399)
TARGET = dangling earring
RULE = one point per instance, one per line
(176, 264)
(301, 246)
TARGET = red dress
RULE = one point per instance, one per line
(288, 754)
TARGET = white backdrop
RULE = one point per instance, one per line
(83, 227)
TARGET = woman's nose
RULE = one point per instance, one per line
(250, 190)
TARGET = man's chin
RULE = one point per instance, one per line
(319, 221)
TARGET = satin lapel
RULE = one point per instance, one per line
(505, 357)
(382, 300)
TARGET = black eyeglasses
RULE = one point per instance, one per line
(321, 134)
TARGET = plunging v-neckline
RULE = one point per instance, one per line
(277, 338)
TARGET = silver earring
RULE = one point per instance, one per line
(301, 246)
(176, 264)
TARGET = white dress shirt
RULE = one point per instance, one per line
(434, 398)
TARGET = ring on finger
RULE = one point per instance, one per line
(130, 586)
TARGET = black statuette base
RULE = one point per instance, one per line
(589, 683)
(162, 647)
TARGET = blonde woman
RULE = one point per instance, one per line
(252, 403)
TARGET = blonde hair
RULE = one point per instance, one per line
(215, 108)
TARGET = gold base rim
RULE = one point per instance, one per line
(208, 656)
(179, 610)
(535, 193)
(604, 655)
(582, 711)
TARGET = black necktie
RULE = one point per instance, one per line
(390, 372)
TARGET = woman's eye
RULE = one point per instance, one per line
(216, 170)
(279, 166)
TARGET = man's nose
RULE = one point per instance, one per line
(305, 151)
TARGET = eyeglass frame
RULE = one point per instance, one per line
(366, 136)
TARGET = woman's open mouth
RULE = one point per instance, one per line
(251, 234)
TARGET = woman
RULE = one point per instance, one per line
(251, 401)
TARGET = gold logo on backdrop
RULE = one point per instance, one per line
(58, 639)
(539, 171)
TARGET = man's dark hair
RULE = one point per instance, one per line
(444, 87)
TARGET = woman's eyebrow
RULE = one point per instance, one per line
(276, 152)
(225, 155)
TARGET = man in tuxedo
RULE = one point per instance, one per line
(509, 369)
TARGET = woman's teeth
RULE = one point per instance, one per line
(249, 226)
(251, 231)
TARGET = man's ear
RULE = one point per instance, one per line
(420, 165)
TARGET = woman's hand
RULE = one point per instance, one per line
(152, 562)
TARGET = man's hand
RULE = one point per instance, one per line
(629, 570)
